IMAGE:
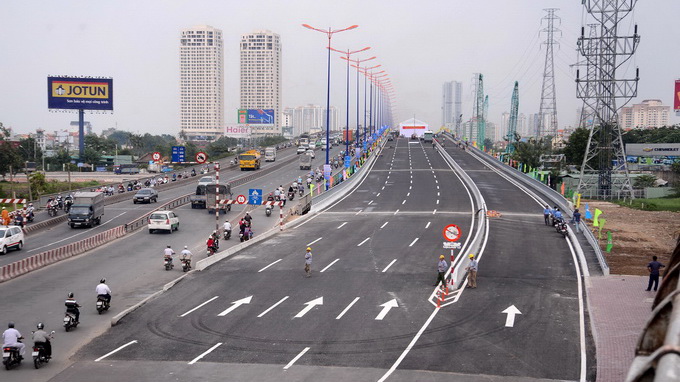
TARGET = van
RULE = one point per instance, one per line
(270, 154)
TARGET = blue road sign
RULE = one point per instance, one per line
(178, 154)
(255, 196)
(348, 161)
(327, 171)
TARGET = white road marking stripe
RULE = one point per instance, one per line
(295, 359)
(365, 240)
(369, 203)
(269, 265)
(383, 226)
(437, 201)
(308, 244)
(395, 212)
(378, 194)
(361, 210)
(383, 188)
(408, 194)
(437, 187)
(413, 242)
(434, 212)
(410, 187)
(427, 225)
(436, 181)
(200, 305)
(193, 361)
(438, 193)
(273, 306)
(389, 265)
(112, 352)
(329, 265)
(347, 308)
(404, 202)
(341, 225)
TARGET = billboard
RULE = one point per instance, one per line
(237, 131)
(256, 116)
(653, 149)
(676, 99)
(79, 93)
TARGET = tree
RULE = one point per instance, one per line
(530, 152)
(102, 145)
(29, 150)
(643, 181)
(38, 182)
(9, 154)
(91, 156)
(575, 149)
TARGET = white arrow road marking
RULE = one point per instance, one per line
(347, 308)
(269, 265)
(310, 305)
(389, 265)
(273, 306)
(511, 311)
(386, 308)
(341, 225)
(295, 359)
(329, 265)
(193, 361)
(235, 305)
(111, 352)
(199, 306)
(365, 240)
(308, 244)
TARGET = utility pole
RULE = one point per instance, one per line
(604, 165)
(548, 108)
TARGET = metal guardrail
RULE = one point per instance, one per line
(657, 354)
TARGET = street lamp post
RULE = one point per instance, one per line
(374, 77)
(328, 33)
(358, 62)
(347, 54)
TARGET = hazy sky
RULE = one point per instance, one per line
(420, 44)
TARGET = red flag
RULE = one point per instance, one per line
(562, 189)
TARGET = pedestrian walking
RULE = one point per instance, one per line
(546, 214)
(442, 266)
(653, 268)
(308, 262)
(577, 220)
(472, 271)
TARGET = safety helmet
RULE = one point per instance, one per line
(472, 256)
(70, 294)
(40, 325)
(309, 248)
(557, 208)
(103, 280)
(168, 246)
(441, 256)
(10, 324)
(186, 246)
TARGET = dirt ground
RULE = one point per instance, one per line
(637, 236)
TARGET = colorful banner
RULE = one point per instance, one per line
(589, 215)
(610, 242)
(676, 99)
(79, 93)
(597, 215)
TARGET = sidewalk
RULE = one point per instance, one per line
(619, 308)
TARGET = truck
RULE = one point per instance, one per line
(427, 136)
(250, 159)
(87, 209)
(270, 154)
(127, 168)
(304, 140)
(347, 136)
(306, 162)
(206, 194)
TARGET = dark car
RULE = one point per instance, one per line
(147, 195)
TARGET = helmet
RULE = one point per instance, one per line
(441, 256)
(186, 246)
(168, 246)
(557, 208)
(40, 325)
(10, 325)
(103, 280)
(309, 248)
(70, 294)
(472, 256)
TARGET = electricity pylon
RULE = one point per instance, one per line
(548, 108)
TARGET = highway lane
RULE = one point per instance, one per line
(375, 262)
(133, 268)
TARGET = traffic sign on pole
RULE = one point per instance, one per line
(178, 154)
(255, 196)
(241, 199)
(201, 157)
(156, 156)
(452, 232)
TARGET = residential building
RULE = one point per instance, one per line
(650, 114)
(522, 127)
(451, 103)
(505, 124)
(201, 63)
(261, 77)
(312, 119)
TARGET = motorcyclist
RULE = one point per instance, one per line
(270, 197)
(193, 172)
(167, 253)
(557, 215)
(72, 306)
(11, 337)
(60, 201)
(42, 339)
(212, 247)
(277, 194)
(227, 229)
(248, 219)
(174, 176)
(103, 290)
(186, 255)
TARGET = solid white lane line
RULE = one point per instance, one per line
(365, 240)
(329, 265)
(295, 359)
(359, 212)
(112, 352)
(341, 225)
(389, 265)
(200, 305)
(395, 212)
(273, 306)
(383, 226)
(413, 242)
(193, 361)
(308, 244)
(269, 265)
(404, 202)
(347, 308)
(427, 225)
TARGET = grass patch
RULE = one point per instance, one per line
(658, 204)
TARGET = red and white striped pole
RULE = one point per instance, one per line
(217, 197)
(280, 216)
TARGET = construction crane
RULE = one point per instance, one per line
(512, 135)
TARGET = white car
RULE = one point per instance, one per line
(11, 237)
(310, 152)
(207, 180)
(301, 149)
(163, 220)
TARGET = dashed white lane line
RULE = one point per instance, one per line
(411, 181)
(434, 212)
(404, 202)
(341, 225)
(269, 265)
(193, 361)
(365, 240)
(204, 303)
(383, 188)
(347, 308)
(383, 226)
(408, 194)
(410, 187)
(427, 225)
(395, 212)
(273, 306)
(308, 244)
(369, 203)
(329, 265)
(78, 234)
(438, 193)
(413, 242)
(378, 194)
(113, 351)
(358, 212)
(436, 181)
(389, 265)
(295, 359)
(437, 201)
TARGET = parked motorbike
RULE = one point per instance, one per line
(102, 304)
(10, 356)
(186, 265)
(167, 262)
(70, 321)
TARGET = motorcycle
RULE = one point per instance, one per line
(227, 235)
(52, 210)
(10, 356)
(561, 227)
(102, 304)
(186, 265)
(40, 355)
(291, 195)
(70, 321)
(167, 262)
(301, 191)
(268, 210)
(68, 203)
(30, 216)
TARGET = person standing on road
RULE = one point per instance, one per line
(653, 268)
(546, 214)
(308, 262)
(472, 272)
(442, 266)
(577, 220)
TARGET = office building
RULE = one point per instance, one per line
(650, 114)
(201, 61)
(451, 103)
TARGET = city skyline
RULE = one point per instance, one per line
(145, 70)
